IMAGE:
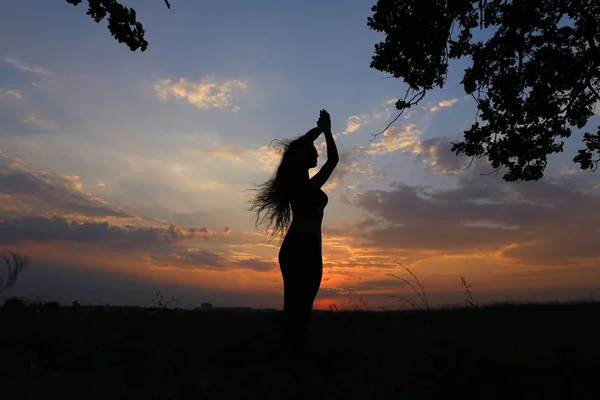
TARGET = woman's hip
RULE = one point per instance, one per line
(301, 249)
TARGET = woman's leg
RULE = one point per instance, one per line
(294, 309)
(312, 283)
(302, 269)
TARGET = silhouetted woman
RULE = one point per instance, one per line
(294, 204)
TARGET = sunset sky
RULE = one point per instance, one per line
(123, 174)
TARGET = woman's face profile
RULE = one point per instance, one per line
(314, 155)
(306, 156)
(309, 156)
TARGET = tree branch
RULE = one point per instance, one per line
(410, 103)
(589, 85)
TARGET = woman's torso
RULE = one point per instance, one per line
(308, 204)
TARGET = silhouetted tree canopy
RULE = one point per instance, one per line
(535, 78)
(122, 22)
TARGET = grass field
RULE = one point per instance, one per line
(521, 351)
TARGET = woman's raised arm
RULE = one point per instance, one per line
(332, 154)
(313, 134)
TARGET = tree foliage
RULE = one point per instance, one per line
(533, 80)
(122, 22)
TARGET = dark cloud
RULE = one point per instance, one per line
(197, 258)
(346, 165)
(350, 160)
(156, 212)
(344, 200)
(255, 264)
(197, 232)
(46, 192)
(171, 246)
(208, 260)
(48, 229)
(551, 221)
(442, 159)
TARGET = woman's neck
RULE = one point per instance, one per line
(301, 175)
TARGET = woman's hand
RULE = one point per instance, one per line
(324, 121)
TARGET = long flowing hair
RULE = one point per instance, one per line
(272, 200)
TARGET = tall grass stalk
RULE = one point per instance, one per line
(418, 286)
(467, 292)
(14, 265)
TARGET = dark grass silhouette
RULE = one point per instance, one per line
(163, 352)
(525, 351)
(294, 203)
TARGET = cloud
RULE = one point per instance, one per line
(223, 152)
(435, 151)
(201, 232)
(33, 119)
(23, 66)
(209, 185)
(11, 92)
(268, 157)
(348, 164)
(405, 138)
(448, 103)
(255, 264)
(568, 171)
(29, 189)
(441, 104)
(355, 122)
(196, 258)
(442, 159)
(226, 230)
(545, 222)
(205, 93)
(202, 259)
(344, 200)
(57, 228)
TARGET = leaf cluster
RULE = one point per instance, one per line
(122, 21)
(535, 78)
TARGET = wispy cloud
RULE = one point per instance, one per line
(202, 259)
(23, 66)
(568, 171)
(405, 138)
(33, 119)
(349, 164)
(26, 189)
(548, 222)
(56, 228)
(355, 122)
(208, 185)
(267, 157)
(438, 152)
(220, 151)
(205, 93)
(445, 103)
(11, 92)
